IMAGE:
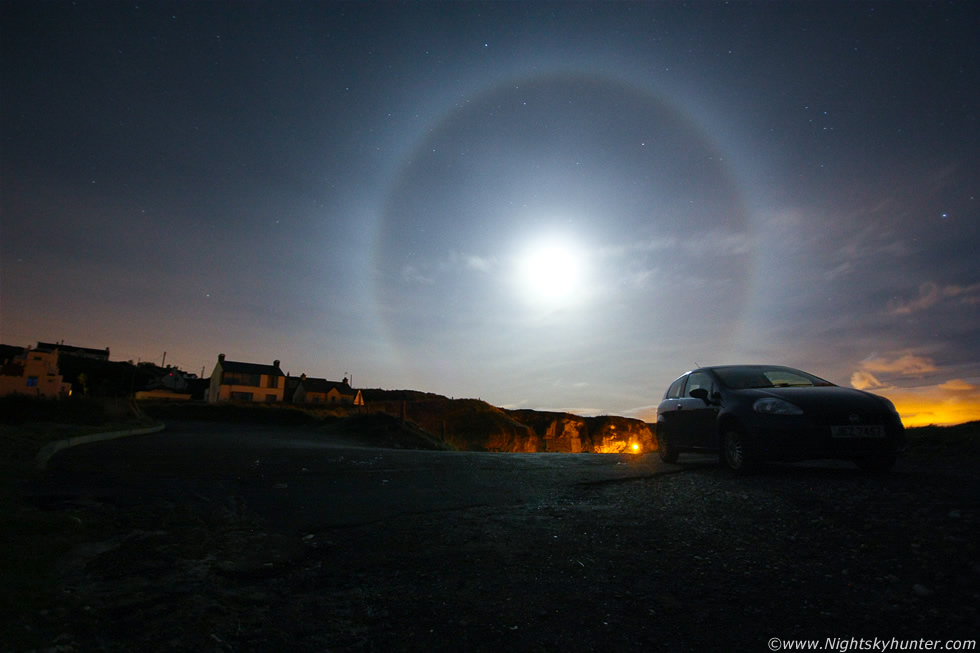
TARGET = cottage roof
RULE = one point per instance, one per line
(250, 368)
(312, 384)
(70, 349)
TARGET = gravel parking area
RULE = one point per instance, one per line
(682, 557)
(693, 560)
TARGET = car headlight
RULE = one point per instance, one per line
(774, 406)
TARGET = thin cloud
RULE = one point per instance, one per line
(931, 294)
(958, 385)
(865, 381)
(426, 274)
(717, 242)
(646, 413)
(904, 365)
(721, 242)
(871, 243)
(456, 261)
(480, 263)
(413, 274)
(582, 411)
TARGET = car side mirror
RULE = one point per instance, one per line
(702, 394)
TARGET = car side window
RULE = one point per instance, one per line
(698, 380)
(675, 391)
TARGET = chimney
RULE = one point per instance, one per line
(302, 376)
(275, 364)
(221, 358)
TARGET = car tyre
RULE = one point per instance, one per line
(876, 463)
(735, 452)
(668, 453)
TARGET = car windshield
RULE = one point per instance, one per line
(739, 378)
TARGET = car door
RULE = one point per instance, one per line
(670, 414)
(700, 416)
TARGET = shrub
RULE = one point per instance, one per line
(19, 409)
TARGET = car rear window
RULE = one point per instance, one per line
(676, 389)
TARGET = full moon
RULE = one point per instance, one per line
(550, 273)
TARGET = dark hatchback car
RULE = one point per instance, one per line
(750, 414)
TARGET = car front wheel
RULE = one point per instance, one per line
(735, 453)
(668, 453)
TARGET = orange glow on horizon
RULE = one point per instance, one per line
(955, 401)
(947, 404)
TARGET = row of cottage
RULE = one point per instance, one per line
(237, 381)
(32, 372)
(39, 372)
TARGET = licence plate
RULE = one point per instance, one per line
(857, 431)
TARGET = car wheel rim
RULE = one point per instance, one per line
(733, 450)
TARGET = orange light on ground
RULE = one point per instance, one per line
(616, 446)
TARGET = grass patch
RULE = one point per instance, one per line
(959, 440)
(31, 543)
(464, 424)
(246, 413)
(23, 409)
(32, 540)
(381, 430)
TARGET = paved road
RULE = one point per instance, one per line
(296, 479)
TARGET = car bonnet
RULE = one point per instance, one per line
(827, 399)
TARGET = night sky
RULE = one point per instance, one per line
(558, 206)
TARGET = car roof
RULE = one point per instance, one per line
(752, 366)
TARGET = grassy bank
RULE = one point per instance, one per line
(372, 426)
(32, 541)
(959, 440)
(244, 413)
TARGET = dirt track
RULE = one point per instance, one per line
(490, 551)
